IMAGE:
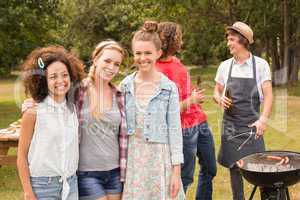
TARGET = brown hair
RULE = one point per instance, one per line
(242, 40)
(90, 80)
(148, 32)
(171, 37)
(34, 77)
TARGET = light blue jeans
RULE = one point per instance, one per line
(50, 188)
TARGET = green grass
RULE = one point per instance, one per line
(283, 132)
(10, 188)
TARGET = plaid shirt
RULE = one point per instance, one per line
(123, 137)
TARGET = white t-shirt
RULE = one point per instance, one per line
(245, 70)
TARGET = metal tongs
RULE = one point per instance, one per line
(251, 133)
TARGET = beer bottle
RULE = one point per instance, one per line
(228, 95)
(199, 81)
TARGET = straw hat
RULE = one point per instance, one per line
(243, 29)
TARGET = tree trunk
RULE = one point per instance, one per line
(294, 67)
(275, 61)
(286, 42)
(267, 50)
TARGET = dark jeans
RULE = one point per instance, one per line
(198, 140)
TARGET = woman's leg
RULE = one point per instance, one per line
(114, 197)
(207, 162)
(190, 138)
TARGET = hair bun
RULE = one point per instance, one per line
(150, 26)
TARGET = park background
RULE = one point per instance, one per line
(80, 24)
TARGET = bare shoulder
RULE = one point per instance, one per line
(29, 115)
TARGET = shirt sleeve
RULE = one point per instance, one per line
(174, 128)
(184, 85)
(265, 72)
(220, 76)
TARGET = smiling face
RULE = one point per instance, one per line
(145, 55)
(58, 80)
(234, 44)
(108, 64)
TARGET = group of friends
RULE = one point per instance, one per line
(84, 138)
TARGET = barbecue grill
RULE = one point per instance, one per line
(273, 172)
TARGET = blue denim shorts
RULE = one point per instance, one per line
(97, 184)
(50, 188)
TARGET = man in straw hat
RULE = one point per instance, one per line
(242, 84)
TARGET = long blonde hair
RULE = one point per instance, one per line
(95, 98)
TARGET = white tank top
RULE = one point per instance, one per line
(54, 148)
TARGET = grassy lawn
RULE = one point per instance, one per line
(10, 188)
(283, 133)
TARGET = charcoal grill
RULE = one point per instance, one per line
(271, 174)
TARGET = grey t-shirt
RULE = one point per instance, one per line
(99, 145)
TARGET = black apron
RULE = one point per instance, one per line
(237, 139)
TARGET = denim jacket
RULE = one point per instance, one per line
(162, 115)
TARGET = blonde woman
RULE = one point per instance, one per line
(102, 139)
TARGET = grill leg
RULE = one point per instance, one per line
(253, 192)
(281, 194)
(287, 193)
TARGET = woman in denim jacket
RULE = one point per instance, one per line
(153, 124)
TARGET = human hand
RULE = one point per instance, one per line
(225, 102)
(197, 96)
(260, 128)
(175, 183)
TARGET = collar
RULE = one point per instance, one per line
(247, 62)
(50, 101)
(129, 83)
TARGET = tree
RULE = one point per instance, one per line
(25, 25)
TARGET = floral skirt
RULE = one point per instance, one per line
(148, 171)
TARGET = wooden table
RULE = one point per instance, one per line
(7, 141)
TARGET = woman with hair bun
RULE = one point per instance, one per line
(153, 125)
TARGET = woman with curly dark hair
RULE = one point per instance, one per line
(197, 137)
(48, 145)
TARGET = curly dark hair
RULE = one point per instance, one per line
(34, 77)
(170, 35)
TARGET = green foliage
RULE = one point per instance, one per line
(80, 24)
(25, 25)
